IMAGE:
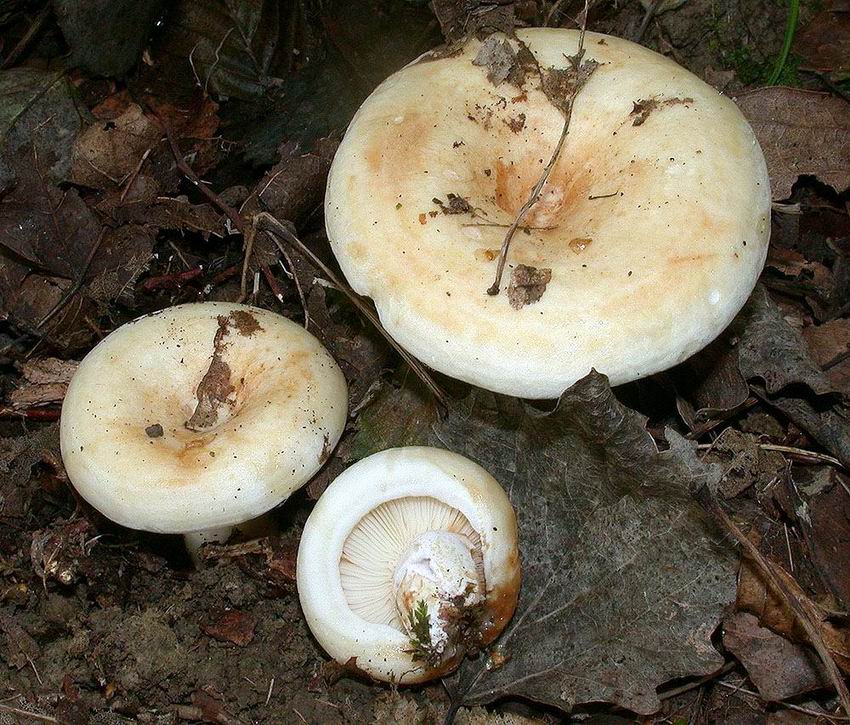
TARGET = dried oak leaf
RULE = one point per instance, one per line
(801, 132)
(234, 47)
(825, 527)
(527, 285)
(829, 345)
(774, 358)
(295, 186)
(761, 351)
(624, 580)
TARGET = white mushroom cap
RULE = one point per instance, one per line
(275, 406)
(654, 221)
(399, 522)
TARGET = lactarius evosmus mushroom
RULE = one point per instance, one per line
(646, 240)
(200, 417)
(409, 560)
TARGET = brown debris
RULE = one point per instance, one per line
(233, 626)
(515, 124)
(527, 285)
(645, 106)
(454, 204)
(154, 431)
(498, 56)
(215, 389)
(561, 85)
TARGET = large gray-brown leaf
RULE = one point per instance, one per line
(623, 579)
(801, 133)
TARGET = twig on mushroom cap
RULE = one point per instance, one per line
(567, 109)
(279, 233)
(706, 498)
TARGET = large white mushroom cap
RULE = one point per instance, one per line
(140, 447)
(654, 221)
(400, 528)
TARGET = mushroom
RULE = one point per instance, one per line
(408, 560)
(200, 417)
(646, 239)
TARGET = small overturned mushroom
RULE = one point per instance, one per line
(408, 561)
(645, 241)
(200, 417)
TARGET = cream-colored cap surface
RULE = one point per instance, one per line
(654, 221)
(280, 408)
(391, 497)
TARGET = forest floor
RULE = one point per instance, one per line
(99, 225)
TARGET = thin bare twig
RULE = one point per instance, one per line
(688, 686)
(279, 234)
(706, 498)
(541, 182)
(647, 18)
(184, 168)
(26, 713)
(789, 705)
(298, 288)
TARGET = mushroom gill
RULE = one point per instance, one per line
(385, 547)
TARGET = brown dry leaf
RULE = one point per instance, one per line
(801, 132)
(828, 344)
(824, 44)
(778, 668)
(232, 626)
(107, 152)
(45, 381)
(294, 186)
(758, 598)
(527, 285)
(826, 530)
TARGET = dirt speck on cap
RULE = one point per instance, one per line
(154, 431)
(644, 106)
(245, 323)
(527, 285)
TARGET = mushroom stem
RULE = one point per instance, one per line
(196, 539)
(436, 585)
